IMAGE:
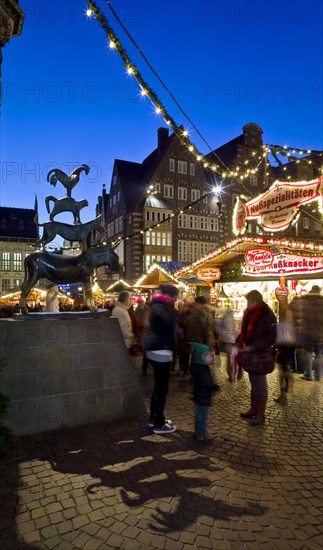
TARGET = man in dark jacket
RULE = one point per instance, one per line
(159, 350)
(308, 318)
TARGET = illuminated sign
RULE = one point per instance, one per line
(259, 257)
(276, 208)
(287, 264)
(281, 293)
(209, 274)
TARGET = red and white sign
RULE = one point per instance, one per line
(287, 264)
(281, 293)
(209, 274)
(276, 208)
(259, 257)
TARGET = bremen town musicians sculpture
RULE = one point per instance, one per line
(67, 269)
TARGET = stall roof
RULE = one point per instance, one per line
(162, 272)
(228, 254)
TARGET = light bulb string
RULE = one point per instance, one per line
(163, 83)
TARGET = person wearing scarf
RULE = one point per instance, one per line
(258, 332)
(160, 346)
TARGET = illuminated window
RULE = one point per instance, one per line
(253, 181)
(5, 261)
(182, 251)
(17, 262)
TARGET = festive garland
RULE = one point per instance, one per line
(287, 152)
(160, 109)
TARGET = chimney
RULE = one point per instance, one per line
(162, 138)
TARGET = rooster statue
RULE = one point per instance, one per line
(69, 181)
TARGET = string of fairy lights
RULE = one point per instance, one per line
(239, 172)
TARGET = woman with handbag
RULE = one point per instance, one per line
(256, 352)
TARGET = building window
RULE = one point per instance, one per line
(171, 165)
(181, 220)
(147, 262)
(204, 248)
(317, 226)
(205, 196)
(17, 262)
(169, 191)
(147, 238)
(253, 181)
(192, 169)
(147, 216)
(306, 224)
(182, 193)
(17, 283)
(182, 251)
(169, 239)
(153, 238)
(193, 222)
(157, 187)
(153, 216)
(203, 223)
(114, 181)
(6, 261)
(158, 239)
(182, 167)
(195, 194)
(193, 251)
(5, 284)
(214, 223)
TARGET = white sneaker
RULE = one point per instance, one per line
(151, 422)
(165, 429)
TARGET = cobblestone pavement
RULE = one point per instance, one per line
(120, 486)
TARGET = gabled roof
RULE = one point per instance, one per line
(134, 177)
(18, 223)
(226, 152)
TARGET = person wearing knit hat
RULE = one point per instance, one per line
(203, 387)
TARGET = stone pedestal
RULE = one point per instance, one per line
(66, 369)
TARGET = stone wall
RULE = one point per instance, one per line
(66, 369)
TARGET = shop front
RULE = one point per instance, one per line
(279, 268)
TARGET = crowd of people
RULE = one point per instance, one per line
(186, 335)
(168, 331)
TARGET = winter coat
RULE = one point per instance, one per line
(120, 311)
(203, 384)
(162, 318)
(228, 331)
(308, 318)
(264, 332)
(200, 327)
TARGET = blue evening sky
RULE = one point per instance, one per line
(67, 99)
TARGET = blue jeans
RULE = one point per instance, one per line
(308, 360)
(201, 420)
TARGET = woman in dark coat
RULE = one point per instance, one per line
(258, 333)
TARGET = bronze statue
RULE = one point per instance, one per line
(67, 269)
(66, 204)
(69, 181)
(70, 232)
